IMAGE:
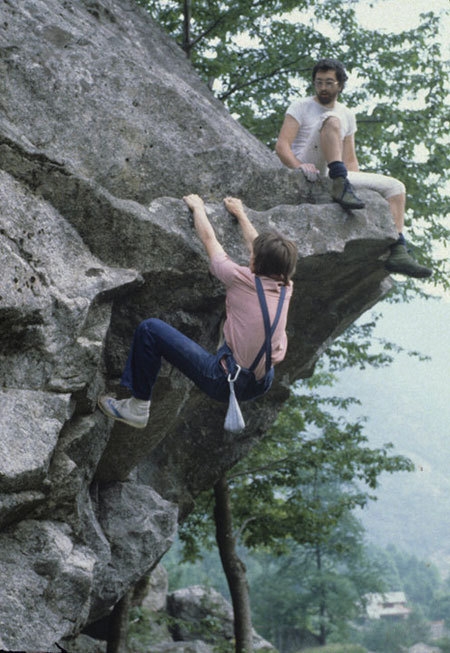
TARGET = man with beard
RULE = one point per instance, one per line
(318, 137)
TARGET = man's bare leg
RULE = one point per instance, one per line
(331, 140)
(397, 204)
(332, 146)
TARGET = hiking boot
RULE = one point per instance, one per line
(343, 193)
(401, 262)
(130, 411)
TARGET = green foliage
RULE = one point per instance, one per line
(197, 532)
(147, 628)
(420, 579)
(444, 645)
(338, 648)
(322, 588)
(384, 636)
(257, 55)
(296, 492)
(358, 348)
(285, 617)
(308, 472)
(205, 569)
(440, 607)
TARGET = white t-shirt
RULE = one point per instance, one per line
(310, 114)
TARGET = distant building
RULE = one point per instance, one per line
(390, 605)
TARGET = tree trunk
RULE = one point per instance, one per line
(233, 567)
(322, 638)
(118, 625)
(187, 9)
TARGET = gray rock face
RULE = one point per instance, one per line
(201, 613)
(155, 597)
(45, 577)
(103, 128)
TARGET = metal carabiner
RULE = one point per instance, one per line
(229, 379)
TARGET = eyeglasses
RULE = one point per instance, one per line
(328, 83)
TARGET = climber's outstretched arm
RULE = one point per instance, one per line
(203, 226)
(236, 208)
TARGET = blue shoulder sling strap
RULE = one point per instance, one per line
(269, 330)
(234, 421)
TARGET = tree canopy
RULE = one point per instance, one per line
(257, 56)
(312, 468)
(293, 498)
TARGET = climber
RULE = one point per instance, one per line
(247, 335)
(317, 136)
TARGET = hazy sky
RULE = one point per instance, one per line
(397, 15)
(408, 404)
(410, 397)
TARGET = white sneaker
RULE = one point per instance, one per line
(132, 411)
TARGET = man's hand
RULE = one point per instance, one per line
(194, 201)
(234, 206)
(310, 171)
(202, 225)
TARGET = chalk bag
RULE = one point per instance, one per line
(234, 421)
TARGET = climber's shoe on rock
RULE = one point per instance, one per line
(132, 411)
(343, 193)
(400, 261)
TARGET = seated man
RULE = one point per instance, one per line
(257, 301)
(317, 136)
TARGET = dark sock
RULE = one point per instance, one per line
(337, 169)
(401, 239)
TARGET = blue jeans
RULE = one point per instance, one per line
(154, 340)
